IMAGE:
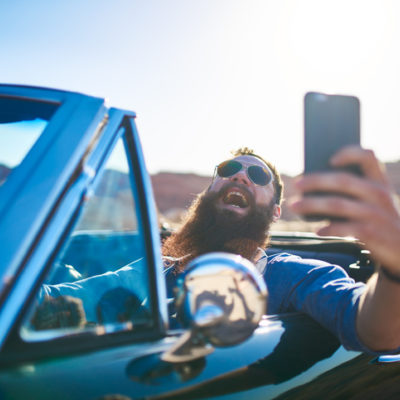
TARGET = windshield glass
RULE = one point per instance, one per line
(21, 124)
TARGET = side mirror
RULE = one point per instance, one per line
(220, 298)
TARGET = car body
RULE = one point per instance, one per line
(76, 202)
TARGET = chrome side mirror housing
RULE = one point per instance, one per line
(220, 299)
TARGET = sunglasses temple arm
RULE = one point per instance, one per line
(214, 174)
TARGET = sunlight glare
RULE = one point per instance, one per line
(340, 38)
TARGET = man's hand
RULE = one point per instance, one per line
(59, 312)
(368, 206)
(366, 203)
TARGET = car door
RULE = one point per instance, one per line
(76, 205)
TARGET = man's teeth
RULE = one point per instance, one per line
(236, 194)
(236, 199)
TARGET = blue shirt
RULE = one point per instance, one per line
(321, 290)
(132, 278)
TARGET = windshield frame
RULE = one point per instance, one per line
(28, 197)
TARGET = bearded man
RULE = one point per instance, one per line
(233, 215)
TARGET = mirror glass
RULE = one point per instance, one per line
(222, 295)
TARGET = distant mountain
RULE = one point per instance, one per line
(112, 183)
(177, 190)
(174, 192)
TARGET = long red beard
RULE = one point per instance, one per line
(208, 228)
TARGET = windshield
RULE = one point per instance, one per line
(21, 124)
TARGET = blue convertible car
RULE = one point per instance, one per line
(76, 203)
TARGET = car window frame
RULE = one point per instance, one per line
(15, 348)
(68, 133)
(150, 225)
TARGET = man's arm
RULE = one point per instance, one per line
(368, 205)
(91, 291)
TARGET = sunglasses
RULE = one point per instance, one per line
(257, 174)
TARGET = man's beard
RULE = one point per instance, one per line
(209, 228)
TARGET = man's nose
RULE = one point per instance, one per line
(241, 177)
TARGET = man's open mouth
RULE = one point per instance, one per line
(236, 199)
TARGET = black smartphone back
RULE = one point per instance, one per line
(330, 123)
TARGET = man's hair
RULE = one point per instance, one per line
(278, 183)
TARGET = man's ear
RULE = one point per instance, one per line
(277, 212)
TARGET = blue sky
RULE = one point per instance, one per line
(208, 76)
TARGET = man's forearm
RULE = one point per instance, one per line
(378, 317)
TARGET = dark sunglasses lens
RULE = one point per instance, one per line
(228, 168)
(259, 175)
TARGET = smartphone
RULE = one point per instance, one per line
(330, 123)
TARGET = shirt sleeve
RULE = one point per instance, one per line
(131, 277)
(323, 291)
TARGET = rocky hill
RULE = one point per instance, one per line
(175, 191)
